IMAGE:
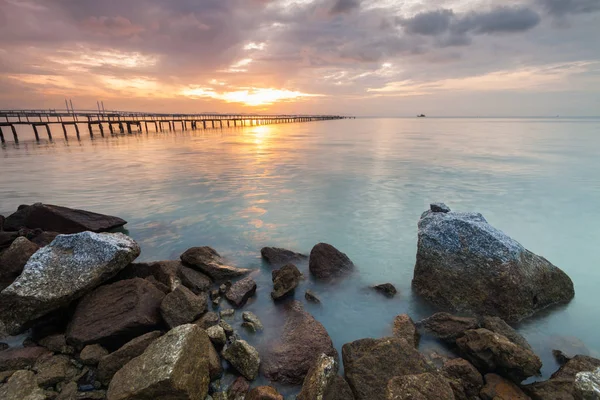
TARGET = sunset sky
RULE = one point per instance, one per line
(364, 58)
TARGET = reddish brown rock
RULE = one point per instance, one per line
(404, 327)
(114, 314)
(264, 393)
(239, 293)
(278, 256)
(327, 262)
(208, 261)
(465, 380)
(196, 281)
(21, 358)
(285, 280)
(498, 388)
(165, 272)
(424, 386)
(238, 388)
(92, 354)
(181, 306)
(13, 260)
(447, 327)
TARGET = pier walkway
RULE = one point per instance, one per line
(116, 122)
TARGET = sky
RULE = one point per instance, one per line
(344, 57)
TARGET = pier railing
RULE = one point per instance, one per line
(137, 122)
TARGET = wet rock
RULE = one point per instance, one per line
(498, 388)
(386, 289)
(70, 392)
(55, 369)
(560, 357)
(59, 219)
(165, 272)
(92, 354)
(57, 274)
(249, 326)
(465, 380)
(587, 385)
(439, 207)
(446, 327)
(561, 384)
(215, 369)
(111, 363)
(253, 319)
(327, 262)
(13, 260)
(226, 327)
(339, 390)
(310, 296)
(369, 365)
(22, 385)
(419, 387)
(497, 325)
(21, 358)
(217, 335)
(570, 346)
(181, 306)
(243, 357)
(227, 313)
(209, 262)
(465, 264)
(224, 287)
(319, 379)
(285, 280)
(302, 342)
(264, 393)
(491, 352)
(196, 281)
(239, 293)
(174, 366)
(207, 320)
(278, 256)
(238, 389)
(114, 314)
(405, 328)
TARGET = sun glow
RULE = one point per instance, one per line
(248, 96)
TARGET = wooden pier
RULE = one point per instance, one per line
(120, 122)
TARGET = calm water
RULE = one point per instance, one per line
(360, 185)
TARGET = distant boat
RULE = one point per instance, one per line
(421, 116)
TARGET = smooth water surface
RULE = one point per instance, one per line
(360, 185)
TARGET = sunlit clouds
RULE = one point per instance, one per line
(250, 97)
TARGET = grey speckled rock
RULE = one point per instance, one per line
(319, 379)
(419, 387)
(22, 385)
(465, 264)
(63, 271)
(587, 385)
(244, 358)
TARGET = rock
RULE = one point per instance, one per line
(227, 313)
(285, 280)
(497, 325)
(310, 296)
(174, 366)
(60, 219)
(226, 327)
(215, 368)
(278, 256)
(561, 384)
(369, 364)
(239, 293)
(216, 301)
(21, 358)
(253, 319)
(217, 335)
(386, 289)
(196, 281)
(327, 262)
(224, 287)
(6, 238)
(339, 390)
(3, 346)
(570, 346)
(498, 388)
(209, 262)
(2, 219)
(319, 379)
(465, 264)
(405, 328)
(238, 389)
(560, 357)
(243, 357)
(22, 385)
(439, 208)
(165, 272)
(181, 306)
(113, 362)
(92, 354)
(4, 375)
(587, 385)
(114, 314)
(61, 272)
(44, 238)
(249, 326)
(55, 369)
(419, 387)
(465, 380)
(207, 320)
(447, 327)
(57, 343)
(492, 352)
(302, 342)
(13, 260)
(264, 393)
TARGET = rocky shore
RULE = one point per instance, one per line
(98, 325)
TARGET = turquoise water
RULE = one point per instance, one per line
(360, 185)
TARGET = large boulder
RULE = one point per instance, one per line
(22, 385)
(60, 219)
(327, 262)
(492, 352)
(114, 314)
(302, 342)
(209, 262)
(181, 306)
(369, 364)
(13, 260)
(114, 361)
(498, 388)
(424, 386)
(279, 256)
(244, 358)
(319, 379)
(239, 293)
(174, 366)
(61, 272)
(285, 280)
(465, 264)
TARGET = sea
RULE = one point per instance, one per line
(358, 184)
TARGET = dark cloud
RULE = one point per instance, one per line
(560, 8)
(500, 20)
(344, 6)
(428, 23)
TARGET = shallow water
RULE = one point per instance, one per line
(360, 185)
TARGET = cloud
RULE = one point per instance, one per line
(429, 23)
(561, 8)
(344, 6)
